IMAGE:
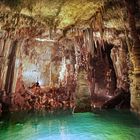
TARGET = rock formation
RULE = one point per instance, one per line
(86, 51)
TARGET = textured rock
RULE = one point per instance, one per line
(58, 44)
(135, 82)
(83, 96)
(119, 58)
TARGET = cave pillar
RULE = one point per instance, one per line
(136, 60)
(6, 43)
(17, 65)
(10, 67)
(135, 80)
(134, 57)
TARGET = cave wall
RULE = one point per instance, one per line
(90, 76)
(4, 53)
(134, 54)
(135, 80)
(82, 55)
(96, 79)
(36, 63)
(120, 58)
(9, 63)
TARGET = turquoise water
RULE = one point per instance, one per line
(104, 125)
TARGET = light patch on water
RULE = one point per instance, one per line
(80, 126)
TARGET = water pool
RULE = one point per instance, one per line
(104, 125)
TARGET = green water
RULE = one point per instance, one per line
(105, 125)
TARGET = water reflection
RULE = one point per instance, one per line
(105, 125)
(64, 130)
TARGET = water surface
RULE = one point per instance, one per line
(104, 125)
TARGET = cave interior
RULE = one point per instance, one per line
(78, 55)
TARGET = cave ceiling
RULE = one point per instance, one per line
(60, 12)
(38, 16)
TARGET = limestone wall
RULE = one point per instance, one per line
(135, 80)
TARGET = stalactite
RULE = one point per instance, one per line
(86, 37)
(77, 49)
(99, 20)
(94, 39)
(100, 50)
(88, 54)
(91, 45)
(100, 23)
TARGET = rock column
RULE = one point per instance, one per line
(135, 58)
